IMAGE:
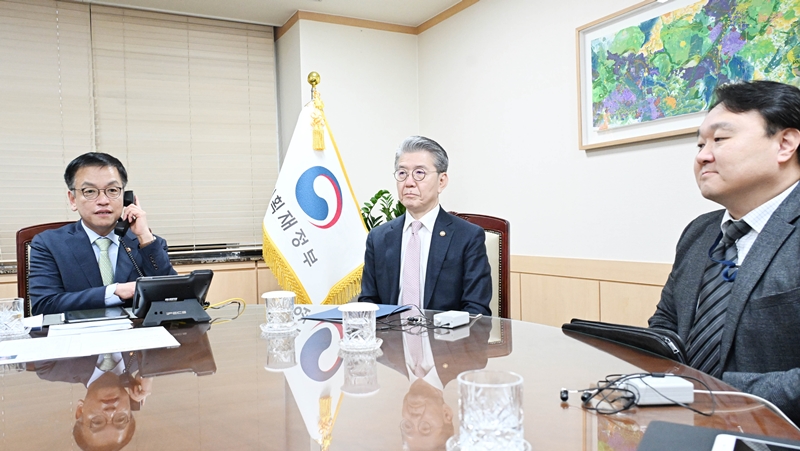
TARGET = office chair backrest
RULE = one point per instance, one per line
(497, 249)
(24, 238)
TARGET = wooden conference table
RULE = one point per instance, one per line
(228, 388)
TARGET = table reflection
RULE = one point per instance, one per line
(428, 358)
(117, 384)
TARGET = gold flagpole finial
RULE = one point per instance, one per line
(313, 79)
(317, 118)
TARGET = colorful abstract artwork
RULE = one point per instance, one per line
(669, 65)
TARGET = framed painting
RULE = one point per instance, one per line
(649, 71)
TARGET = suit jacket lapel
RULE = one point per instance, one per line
(124, 266)
(439, 245)
(779, 227)
(81, 248)
(393, 241)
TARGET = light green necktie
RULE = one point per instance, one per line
(108, 363)
(106, 270)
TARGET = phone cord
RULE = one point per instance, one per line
(128, 251)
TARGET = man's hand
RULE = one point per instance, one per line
(138, 219)
(125, 290)
(140, 388)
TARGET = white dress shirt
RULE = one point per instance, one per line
(756, 219)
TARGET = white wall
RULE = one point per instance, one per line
(369, 87)
(496, 86)
(290, 84)
(498, 91)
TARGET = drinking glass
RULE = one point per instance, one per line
(490, 412)
(281, 354)
(11, 317)
(360, 372)
(279, 311)
(358, 321)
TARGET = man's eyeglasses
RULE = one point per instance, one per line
(417, 174)
(118, 419)
(92, 193)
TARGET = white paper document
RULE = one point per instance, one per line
(80, 345)
(89, 327)
(33, 322)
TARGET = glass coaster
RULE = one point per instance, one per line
(375, 346)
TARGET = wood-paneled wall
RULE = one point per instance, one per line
(546, 290)
(552, 291)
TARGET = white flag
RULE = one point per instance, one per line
(314, 237)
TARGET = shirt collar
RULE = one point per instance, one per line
(93, 236)
(428, 220)
(758, 218)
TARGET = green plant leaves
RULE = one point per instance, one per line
(388, 209)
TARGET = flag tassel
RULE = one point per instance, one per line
(282, 271)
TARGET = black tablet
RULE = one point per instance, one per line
(81, 316)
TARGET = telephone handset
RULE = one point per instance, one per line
(122, 225)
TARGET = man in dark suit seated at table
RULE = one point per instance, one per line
(734, 291)
(84, 265)
(427, 257)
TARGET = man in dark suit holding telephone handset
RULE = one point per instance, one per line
(94, 263)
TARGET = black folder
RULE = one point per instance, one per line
(664, 436)
(662, 342)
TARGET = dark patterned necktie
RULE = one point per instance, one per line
(706, 334)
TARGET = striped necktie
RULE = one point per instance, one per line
(411, 289)
(106, 270)
(706, 334)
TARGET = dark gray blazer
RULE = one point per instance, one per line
(760, 347)
(64, 274)
(458, 275)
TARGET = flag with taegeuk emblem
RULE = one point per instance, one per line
(314, 237)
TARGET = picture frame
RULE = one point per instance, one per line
(650, 70)
(589, 138)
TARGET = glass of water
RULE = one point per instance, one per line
(11, 317)
(490, 412)
(279, 306)
(360, 372)
(358, 321)
(281, 354)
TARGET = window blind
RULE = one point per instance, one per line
(45, 110)
(189, 106)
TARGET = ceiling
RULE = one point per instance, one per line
(277, 12)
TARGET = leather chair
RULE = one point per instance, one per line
(497, 249)
(24, 238)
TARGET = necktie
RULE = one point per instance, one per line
(414, 342)
(706, 334)
(108, 363)
(411, 291)
(106, 270)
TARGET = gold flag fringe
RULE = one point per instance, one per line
(286, 276)
(342, 292)
(345, 289)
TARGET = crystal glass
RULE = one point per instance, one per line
(358, 321)
(11, 317)
(360, 372)
(279, 306)
(490, 412)
(281, 354)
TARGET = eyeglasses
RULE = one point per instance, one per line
(417, 174)
(92, 193)
(118, 419)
